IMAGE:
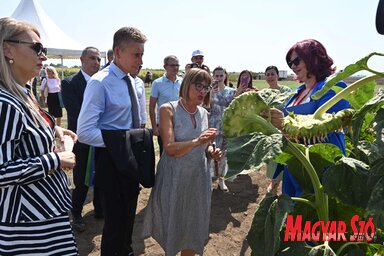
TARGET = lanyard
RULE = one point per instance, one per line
(299, 99)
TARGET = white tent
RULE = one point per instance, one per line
(59, 44)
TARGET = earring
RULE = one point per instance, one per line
(10, 61)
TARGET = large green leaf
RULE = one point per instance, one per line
(294, 248)
(375, 206)
(376, 172)
(360, 96)
(323, 155)
(371, 106)
(274, 98)
(355, 184)
(380, 251)
(360, 249)
(296, 168)
(249, 152)
(347, 181)
(264, 235)
(377, 149)
(364, 151)
(274, 223)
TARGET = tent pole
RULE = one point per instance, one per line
(62, 68)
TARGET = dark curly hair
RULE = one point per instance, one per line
(315, 57)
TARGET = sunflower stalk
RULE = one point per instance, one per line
(321, 199)
(323, 108)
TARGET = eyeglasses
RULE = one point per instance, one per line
(173, 65)
(201, 87)
(295, 61)
(37, 47)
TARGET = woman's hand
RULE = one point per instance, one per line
(241, 89)
(276, 117)
(206, 136)
(156, 130)
(67, 159)
(215, 154)
(60, 132)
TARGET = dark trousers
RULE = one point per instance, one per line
(119, 197)
(79, 194)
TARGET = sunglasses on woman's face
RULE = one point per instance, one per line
(37, 47)
(295, 61)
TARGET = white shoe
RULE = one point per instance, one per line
(222, 185)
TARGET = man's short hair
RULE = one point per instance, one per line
(127, 35)
(85, 51)
(170, 57)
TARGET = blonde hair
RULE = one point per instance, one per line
(13, 29)
(195, 76)
(53, 70)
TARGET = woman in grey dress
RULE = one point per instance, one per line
(178, 211)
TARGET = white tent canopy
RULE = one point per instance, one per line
(59, 44)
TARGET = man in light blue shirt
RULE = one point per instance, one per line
(164, 89)
(110, 103)
(106, 106)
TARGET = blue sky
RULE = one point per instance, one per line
(243, 34)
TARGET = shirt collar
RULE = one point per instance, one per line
(169, 80)
(22, 88)
(86, 76)
(117, 71)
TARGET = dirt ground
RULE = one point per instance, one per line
(231, 217)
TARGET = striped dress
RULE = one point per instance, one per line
(34, 205)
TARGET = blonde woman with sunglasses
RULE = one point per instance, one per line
(35, 197)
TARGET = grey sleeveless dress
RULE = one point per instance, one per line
(178, 211)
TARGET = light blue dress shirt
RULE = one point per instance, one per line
(106, 106)
(140, 93)
(165, 91)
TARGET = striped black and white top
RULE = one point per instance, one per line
(27, 191)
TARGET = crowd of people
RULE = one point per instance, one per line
(185, 115)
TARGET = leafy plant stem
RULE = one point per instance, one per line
(362, 64)
(321, 199)
(305, 201)
(345, 245)
(323, 108)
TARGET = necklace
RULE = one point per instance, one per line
(182, 105)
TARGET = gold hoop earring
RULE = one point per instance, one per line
(11, 61)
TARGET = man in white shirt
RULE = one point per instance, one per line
(72, 90)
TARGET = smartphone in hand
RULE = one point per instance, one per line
(215, 85)
(244, 81)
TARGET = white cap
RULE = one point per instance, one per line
(197, 53)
